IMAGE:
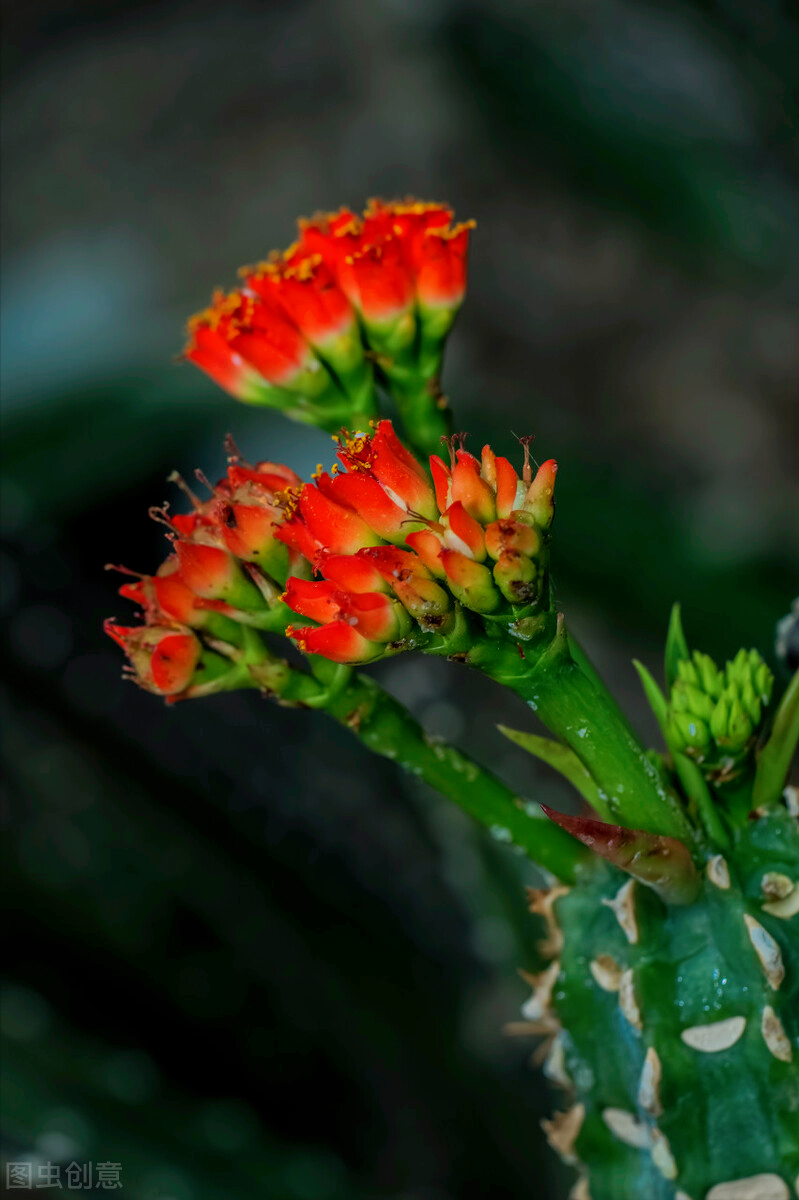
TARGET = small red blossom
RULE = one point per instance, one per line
(339, 641)
(376, 616)
(304, 289)
(163, 660)
(251, 348)
(397, 254)
(479, 536)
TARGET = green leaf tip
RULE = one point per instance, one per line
(775, 758)
(657, 701)
(563, 760)
(676, 645)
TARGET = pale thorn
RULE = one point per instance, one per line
(785, 905)
(627, 1128)
(718, 1035)
(563, 1130)
(718, 872)
(776, 886)
(539, 1003)
(555, 1064)
(623, 908)
(791, 797)
(607, 972)
(543, 1028)
(774, 1035)
(767, 951)
(627, 1001)
(541, 904)
(755, 1187)
(649, 1085)
(662, 1156)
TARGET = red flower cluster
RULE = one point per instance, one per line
(391, 545)
(292, 336)
(225, 571)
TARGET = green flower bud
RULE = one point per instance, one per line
(711, 678)
(713, 714)
(763, 682)
(687, 672)
(751, 702)
(739, 728)
(689, 734)
(720, 719)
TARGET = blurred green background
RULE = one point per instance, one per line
(243, 958)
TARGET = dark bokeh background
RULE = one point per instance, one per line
(243, 958)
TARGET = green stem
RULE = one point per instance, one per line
(387, 728)
(426, 416)
(579, 710)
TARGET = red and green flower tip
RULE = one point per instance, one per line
(223, 578)
(399, 550)
(307, 328)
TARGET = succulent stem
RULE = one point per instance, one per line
(580, 711)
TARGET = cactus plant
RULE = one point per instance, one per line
(668, 1008)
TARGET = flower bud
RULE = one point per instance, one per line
(163, 660)
(714, 714)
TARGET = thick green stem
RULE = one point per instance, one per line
(426, 416)
(580, 711)
(387, 728)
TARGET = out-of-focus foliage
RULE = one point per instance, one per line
(242, 957)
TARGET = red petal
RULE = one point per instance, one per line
(338, 530)
(507, 487)
(353, 573)
(248, 530)
(394, 564)
(441, 275)
(376, 616)
(174, 661)
(397, 469)
(208, 571)
(364, 494)
(467, 530)
(339, 641)
(472, 491)
(428, 547)
(214, 354)
(380, 280)
(295, 534)
(540, 499)
(442, 478)
(306, 290)
(318, 600)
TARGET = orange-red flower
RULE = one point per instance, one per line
(477, 534)
(163, 660)
(304, 331)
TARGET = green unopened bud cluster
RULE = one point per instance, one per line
(715, 713)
